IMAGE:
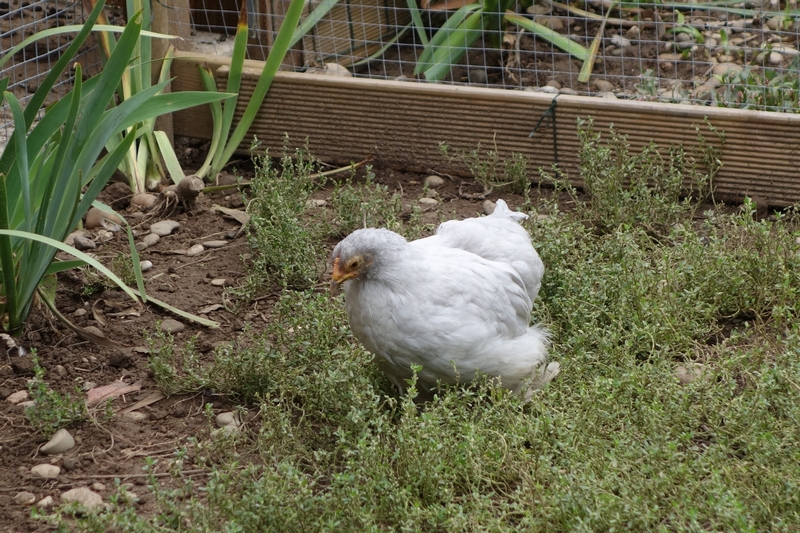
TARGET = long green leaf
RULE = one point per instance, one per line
(234, 81)
(574, 49)
(271, 67)
(21, 146)
(94, 263)
(9, 272)
(60, 266)
(97, 184)
(72, 29)
(63, 145)
(311, 20)
(451, 52)
(588, 63)
(210, 85)
(453, 22)
(416, 20)
(168, 153)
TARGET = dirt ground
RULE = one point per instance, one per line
(116, 449)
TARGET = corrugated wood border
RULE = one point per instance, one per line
(400, 125)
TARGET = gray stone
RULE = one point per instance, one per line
(59, 443)
(603, 86)
(488, 207)
(775, 58)
(84, 496)
(170, 325)
(17, 397)
(70, 464)
(218, 282)
(726, 68)
(620, 41)
(434, 181)
(29, 403)
(162, 228)
(197, 249)
(227, 419)
(689, 372)
(428, 202)
(81, 242)
(45, 502)
(150, 239)
(554, 84)
(46, 470)
(24, 498)
(60, 370)
(99, 487)
(214, 244)
(146, 265)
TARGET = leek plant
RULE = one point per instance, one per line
(466, 25)
(52, 171)
(142, 164)
(223, 142)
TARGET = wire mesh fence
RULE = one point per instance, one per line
(732, 53)
(725, 52)
(22, 19)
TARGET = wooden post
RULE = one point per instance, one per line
(172, 18)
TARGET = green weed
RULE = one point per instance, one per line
(52, 410)
(615, 443)
(286, 251)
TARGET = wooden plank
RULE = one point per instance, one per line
(400, 124)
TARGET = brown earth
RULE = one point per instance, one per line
(115, 448)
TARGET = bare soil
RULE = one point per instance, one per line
(109, 449)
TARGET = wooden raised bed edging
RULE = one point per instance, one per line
(400, 124)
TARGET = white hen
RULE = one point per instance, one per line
(435, 304)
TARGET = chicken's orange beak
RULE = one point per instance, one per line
(339, 276)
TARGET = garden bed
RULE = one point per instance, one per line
(674, 323)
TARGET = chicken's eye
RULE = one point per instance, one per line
(353, 264)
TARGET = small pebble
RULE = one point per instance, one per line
(723, 68)
(24, 498)
(554, 84)
(683, 37)
(83, 496)
(214, 244)
(79, 312)
(82, 242)
(197, 249)
(603, 86)
(59, 443)
(134, 416)
(17, 397)
(775, 58)
(99, 487)
(60, 370)
(620, 41)
(88, 385)
(146, 265)
(689, 372)
(488, 207)
(218, 282)
(428, 202)
(162, 228)
(70, 464)
(46, 470)
(170, 325)
(434, 181)
(45, 502)
(25, 405)
(150, 239)
(227, 419)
